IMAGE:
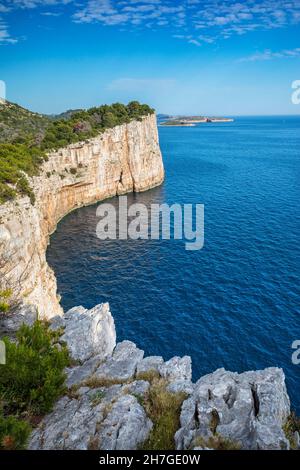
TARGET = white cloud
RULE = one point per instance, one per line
(216, 19)
(268, 55)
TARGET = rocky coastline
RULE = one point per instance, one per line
(111, 386)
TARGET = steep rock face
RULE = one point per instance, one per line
(123, 159)
(249, 409)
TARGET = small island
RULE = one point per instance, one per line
(191, 121)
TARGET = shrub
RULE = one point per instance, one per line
(33, 378)
(5, 296)
(4, 307)
(14, 433)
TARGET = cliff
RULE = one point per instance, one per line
(122, 159)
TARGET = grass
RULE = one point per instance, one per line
(97, 397)
(291, 426)
(216, 442)
(163, 408)
(97, 382)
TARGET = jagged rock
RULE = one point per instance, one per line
(125, 426)
(89, 332)
(77, 375)
(248, 408)
(138, 387)
(122, 364)
(177, 368)
(185, 386)
(149, 363)
(11, 322)
(70, 426)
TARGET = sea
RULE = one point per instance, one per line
(232, 304)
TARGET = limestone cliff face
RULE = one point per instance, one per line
(123, 159)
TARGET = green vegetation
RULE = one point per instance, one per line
(163, 408)
(14, 433)
(25, 137)
(291, 426)
(216, 442)
(5, 300)
(33, 377)
(30, 382)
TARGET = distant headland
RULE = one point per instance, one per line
(189, 121)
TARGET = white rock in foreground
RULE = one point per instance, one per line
(88, 332)
(249, 409)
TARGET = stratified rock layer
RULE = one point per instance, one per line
(123, 159)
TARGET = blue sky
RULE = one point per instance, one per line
(192, 56)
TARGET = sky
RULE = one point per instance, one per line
(182, 57)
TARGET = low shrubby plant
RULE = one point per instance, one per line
(33, 377)
(14, 433)
(5, 300)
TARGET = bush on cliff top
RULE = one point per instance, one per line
(25, 137)
(33, 377)
(14, 433)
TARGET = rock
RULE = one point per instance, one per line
(89, 332)
(149, 363)
(122, 364)
(177, 368)
(248, 408)
(138, 387)
(184, 386)
(11, 322)
(77, 375)
(70, 426)
(126, 425)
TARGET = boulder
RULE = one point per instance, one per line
(122, 364)
(149, 363)
(125, 426)
(88, 333)
(249, 409)
(77, 375)
(177, 368)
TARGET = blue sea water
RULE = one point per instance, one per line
(233, 304)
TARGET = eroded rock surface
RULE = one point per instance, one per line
(249, 409)
(88, 332)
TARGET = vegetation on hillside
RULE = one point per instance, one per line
(30, 382)
(25, 138)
